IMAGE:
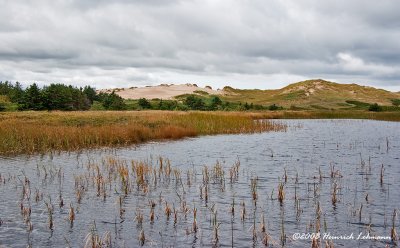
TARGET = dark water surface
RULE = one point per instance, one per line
(308, 151)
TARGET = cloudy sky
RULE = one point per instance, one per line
(243, 43)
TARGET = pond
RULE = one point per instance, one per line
(335, 177)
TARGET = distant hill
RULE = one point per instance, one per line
(310, 94)
(316, 93)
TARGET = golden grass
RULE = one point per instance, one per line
(40, 132)
(329, 114)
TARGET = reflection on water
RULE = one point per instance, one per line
(332, 183)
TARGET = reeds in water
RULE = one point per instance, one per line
(71, 214)
(393, 233)
(253, 183)
(243, 211)
(142, 238)
(50, 212)
(94, 240)
(334, 194)
(281, 193)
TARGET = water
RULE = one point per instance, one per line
(307, 151)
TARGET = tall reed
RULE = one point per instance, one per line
(41, 132)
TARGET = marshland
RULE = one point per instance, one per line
(259, 186)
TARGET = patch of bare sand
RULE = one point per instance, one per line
(162, 91)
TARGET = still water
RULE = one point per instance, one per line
(312, 160)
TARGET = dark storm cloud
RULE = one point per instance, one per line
(264, 44)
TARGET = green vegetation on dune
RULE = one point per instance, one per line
(316, 93)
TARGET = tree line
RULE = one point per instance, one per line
(69, 98)
(56, 97)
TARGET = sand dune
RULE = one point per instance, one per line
(162, 91)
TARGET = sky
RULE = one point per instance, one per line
(263, 44)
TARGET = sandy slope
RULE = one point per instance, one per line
(161, 91)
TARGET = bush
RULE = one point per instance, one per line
(194, 103)
(273, 107)
(375, 107)
(167, 105)
(144, 103)
(396, 102)
(215, 103)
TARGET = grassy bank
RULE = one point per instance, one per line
(332, 114)
(40, 132)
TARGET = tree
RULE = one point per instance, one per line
(14, 92)
(113, 101)
(63, 97)
(32, 98)
(5, 88)
(80, 100)
(90, 93)
(144, 103)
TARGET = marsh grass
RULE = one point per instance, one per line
(332, 114)
(42, 132)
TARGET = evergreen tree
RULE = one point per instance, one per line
(113, 101)
(32, 98)
(90, 93)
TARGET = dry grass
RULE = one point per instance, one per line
(330, 114)
(41, 132)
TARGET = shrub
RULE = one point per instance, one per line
(215, 103)
(194, 103)
(273, 107)
(144, 103)
(396, 102)
(375, 107)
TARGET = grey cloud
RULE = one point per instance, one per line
(121, 43)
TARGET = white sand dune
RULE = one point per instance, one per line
(162, 91)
